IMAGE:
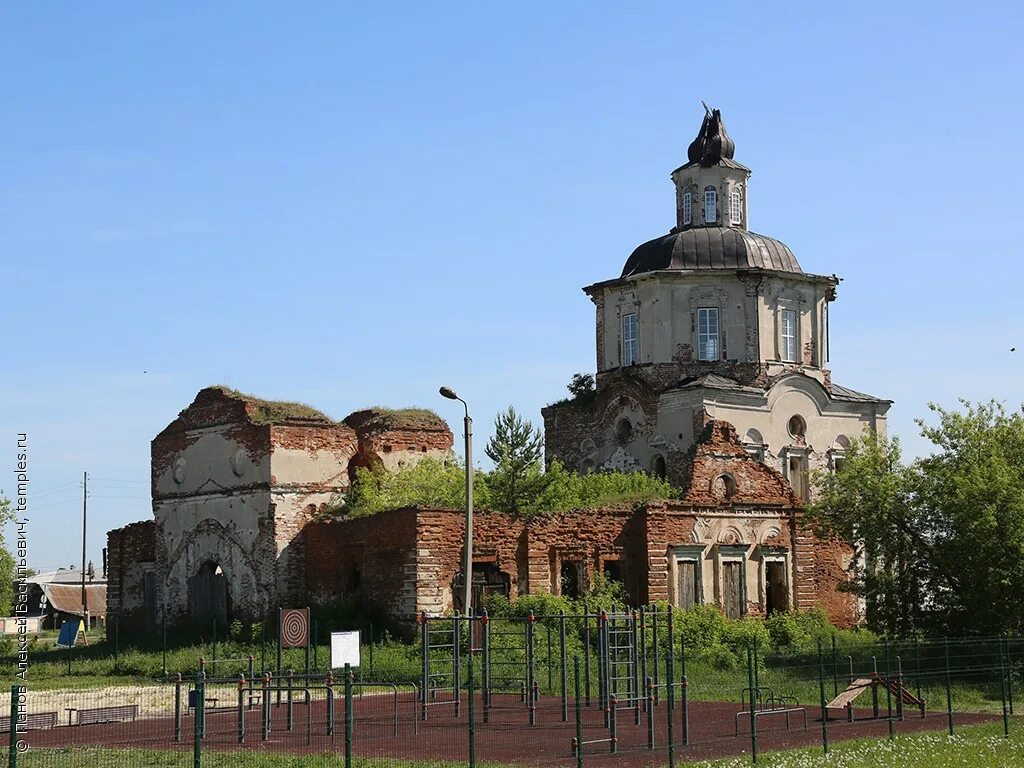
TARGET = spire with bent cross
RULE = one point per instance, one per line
(712, 143)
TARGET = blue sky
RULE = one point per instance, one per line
(353, 204)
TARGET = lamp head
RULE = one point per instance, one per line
(449, 393)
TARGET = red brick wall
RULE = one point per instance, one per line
(719, 452)
(381, 548)
(129, 550)
(497, 539)
(821, 566)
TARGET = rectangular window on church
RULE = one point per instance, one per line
(630, 340)
(790, 336)
(707, 333)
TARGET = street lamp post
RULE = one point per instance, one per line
(467, 572)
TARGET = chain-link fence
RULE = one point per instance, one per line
(610, 688)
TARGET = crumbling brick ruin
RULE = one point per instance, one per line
(712, 350)
(235, 481)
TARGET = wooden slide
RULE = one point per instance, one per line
(858, 686)
(847, 697)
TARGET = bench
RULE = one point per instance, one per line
(787, 711)
(33, 722)
(208, 701)
(108, 714)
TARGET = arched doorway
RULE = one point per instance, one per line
(363, 460)
(208, 595)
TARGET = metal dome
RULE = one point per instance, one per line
(711, 248)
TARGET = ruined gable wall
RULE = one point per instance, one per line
(721, 470)
(211, 503)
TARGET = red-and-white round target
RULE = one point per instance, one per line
(294, 627)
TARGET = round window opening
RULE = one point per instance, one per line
(797, 426)
(624, 432)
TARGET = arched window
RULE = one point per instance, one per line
(797, 426)
(736, 207)
(658, 467)
(624, 432)
(687, 208)
(724, 486)
(710, 205)
(753, 442)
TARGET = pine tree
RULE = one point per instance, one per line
(516, 450)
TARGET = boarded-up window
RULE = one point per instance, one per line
(732, 588)
(798, 476)
(687, 592)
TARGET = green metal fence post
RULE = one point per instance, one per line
(821, 695)
(213, 668)
(563, 672)
(888, 691)
(917, 668)
(348, 716)
(12, 754)
(1009, 675)
(551, 670)
(163, 629)
(753, 717)
(472, 707)
(670, 699)
(949, 688)
(579, 713)
(197, 727)
(1002, 691)
(835, 668)
(116, 642)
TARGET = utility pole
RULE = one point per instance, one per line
(85, 497)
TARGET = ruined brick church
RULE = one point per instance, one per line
(712, 371)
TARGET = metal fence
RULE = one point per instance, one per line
(618, 689)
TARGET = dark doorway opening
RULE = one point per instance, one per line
(776, 590)
(571, 578)
(612, 570)
(208, 596)
(488, 579)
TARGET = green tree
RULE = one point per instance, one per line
(972, 489)
(583, 388)
(516, 450)
(943, 538)
(7, 562)
(428, 482)
(563, 490)
(869, 503)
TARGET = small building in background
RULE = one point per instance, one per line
(56, 596)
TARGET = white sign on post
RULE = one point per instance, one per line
(344, 649)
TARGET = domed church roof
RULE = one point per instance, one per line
(720, 241)
(711, 248)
